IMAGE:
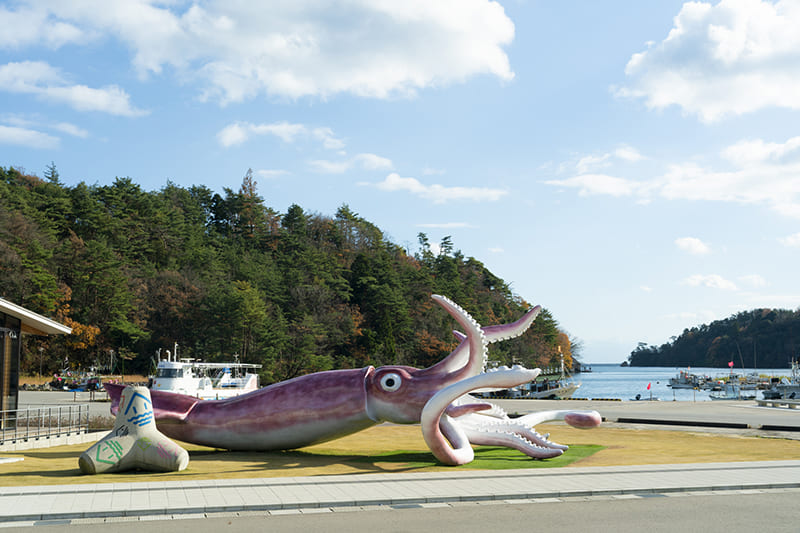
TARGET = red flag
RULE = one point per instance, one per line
(648, 386)
(730, 364)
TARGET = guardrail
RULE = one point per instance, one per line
(790, 404)
(35, 423)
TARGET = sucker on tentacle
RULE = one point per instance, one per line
(471, 355)
(530, 443)
(492, 334)
(438, 426)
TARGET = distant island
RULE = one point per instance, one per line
(766, 338)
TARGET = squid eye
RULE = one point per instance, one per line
(391, 382)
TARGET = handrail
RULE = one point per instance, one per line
(43, 422)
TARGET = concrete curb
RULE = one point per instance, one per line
(152, 500)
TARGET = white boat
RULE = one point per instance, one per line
(685, 380)
(555, 386)
(549, 389)
(788, 388)
(733, 391)
(207, 381)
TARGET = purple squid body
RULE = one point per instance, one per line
(327, 405)
(291, 414)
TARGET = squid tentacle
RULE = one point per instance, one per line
(476, 345)
(520, 438)
(460, 355)
(438, 428)
(504, 332)
(509, 426)
(576, 419)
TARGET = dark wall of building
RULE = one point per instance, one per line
(9, 362)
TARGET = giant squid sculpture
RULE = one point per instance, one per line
(327, 405)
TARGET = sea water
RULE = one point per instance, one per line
(611, 381)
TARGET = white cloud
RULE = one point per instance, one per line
(286, 131)
(45, 82)
(374, 162)
(775, 185)
(590, 163)
(330, 167)
(754, 281)
(713, 281)
(328, 139)
(27, 138)
(233, 134)
(240, 50)
(735, 57)
(436, 193)
(240, 132)
(496, 250)
(429, 171)
(593, 184)
(365, 161)
(791, 240)
(271, 174)
(752, 172)
(33, 25)
(628, 153)
(749, 152)
(36, 123)
(645, 288)
(71, 129)
(446, 225)
(692, 245)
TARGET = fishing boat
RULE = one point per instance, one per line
(550, 385)
(786, 388)
(549, 388)
(207, 381)
(733, 391)
(685, 380)
(553, 386)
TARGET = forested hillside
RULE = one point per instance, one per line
(133, 271)
(766, 338)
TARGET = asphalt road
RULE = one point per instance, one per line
(724, 512)
(744, 417)
(99, 407)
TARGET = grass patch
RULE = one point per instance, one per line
(486, 458)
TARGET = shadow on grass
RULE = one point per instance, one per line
(486, 458)
(207, 463)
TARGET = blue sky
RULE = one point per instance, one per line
(632, 166)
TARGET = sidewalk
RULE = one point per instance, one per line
(23, 506)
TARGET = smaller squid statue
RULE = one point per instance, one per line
(134, 443)
(327, 405)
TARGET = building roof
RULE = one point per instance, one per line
(33, 323)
